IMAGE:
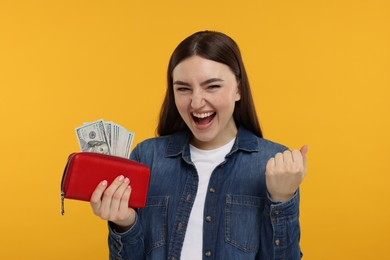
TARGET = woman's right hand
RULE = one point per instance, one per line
(111, 203)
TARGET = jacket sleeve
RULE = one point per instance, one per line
(127, 245)
(280, 233)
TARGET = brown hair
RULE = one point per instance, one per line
(221, 48)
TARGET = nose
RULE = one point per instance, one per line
(197, 99)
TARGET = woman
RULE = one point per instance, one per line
(218, 190)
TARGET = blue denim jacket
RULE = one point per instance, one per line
(240, 220)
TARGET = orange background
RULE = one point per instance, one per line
(320, 76)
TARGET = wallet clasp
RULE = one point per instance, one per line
(62, 203)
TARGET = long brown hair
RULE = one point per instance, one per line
(221, 48)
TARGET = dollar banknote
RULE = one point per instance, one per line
(105, 137)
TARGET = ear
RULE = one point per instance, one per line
(238, 93)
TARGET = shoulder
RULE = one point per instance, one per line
(154, 141)
(146, 151)
(267, 149)
(150, 146)
(250, 142)
(265, 144)
(160, 147)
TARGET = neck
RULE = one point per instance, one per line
(229, 134)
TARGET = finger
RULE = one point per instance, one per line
(124, 205)
(96, 197)
(107, 197)
(118, 195)
(297, 156)
(279, 160)
(299, 162)
(271, 162)
(287, 157)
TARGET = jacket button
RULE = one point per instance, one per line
(180, 226)
(277, 242)
(207, 253)
(209, 218)
(212, 190)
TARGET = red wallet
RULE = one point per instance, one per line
(85, 170)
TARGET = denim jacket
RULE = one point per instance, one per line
(240, 220)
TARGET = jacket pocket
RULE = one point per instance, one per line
(243, 221)
(154, 222)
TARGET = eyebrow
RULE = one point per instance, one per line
(206, 82)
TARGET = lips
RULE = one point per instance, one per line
(203, 118)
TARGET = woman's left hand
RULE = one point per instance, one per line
(285, 172)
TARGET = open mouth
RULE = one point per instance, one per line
(203, 118)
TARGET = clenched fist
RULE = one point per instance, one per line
(284, 173)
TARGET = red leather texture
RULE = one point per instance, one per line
(84, 171)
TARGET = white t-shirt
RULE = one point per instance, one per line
(205, 162)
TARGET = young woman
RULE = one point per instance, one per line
(218, 190)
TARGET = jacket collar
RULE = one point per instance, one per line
(179, 143)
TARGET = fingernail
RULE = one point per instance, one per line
(126, 180)
(120, 178)
(104, 183)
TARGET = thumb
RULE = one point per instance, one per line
(304, 151)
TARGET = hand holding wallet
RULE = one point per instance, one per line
(85, 170)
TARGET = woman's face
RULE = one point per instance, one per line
(205, 95)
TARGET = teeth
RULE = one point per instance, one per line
(202, 115)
